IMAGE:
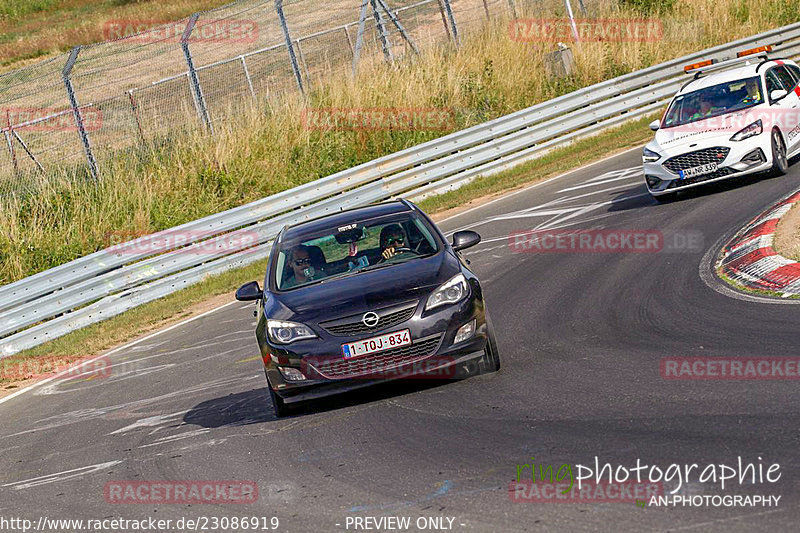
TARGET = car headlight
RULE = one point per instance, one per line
(649, 156)
(756, 128)
(287, 332)
(449, 293)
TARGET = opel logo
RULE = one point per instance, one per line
(370, 319)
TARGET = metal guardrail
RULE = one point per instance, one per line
(111, 281)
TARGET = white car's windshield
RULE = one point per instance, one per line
(714, 101)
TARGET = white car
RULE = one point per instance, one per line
(732, 118)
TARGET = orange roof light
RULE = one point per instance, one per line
(701, 64)
(765, 48)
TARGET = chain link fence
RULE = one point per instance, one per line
(77, 110)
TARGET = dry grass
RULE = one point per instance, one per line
(31, 29)
(267, 149)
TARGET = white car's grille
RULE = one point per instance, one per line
(694, 159)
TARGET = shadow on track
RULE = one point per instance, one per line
(255, 406)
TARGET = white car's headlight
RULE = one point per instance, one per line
(449, 293)
(649, 156)
(287, 332)
(756, 128)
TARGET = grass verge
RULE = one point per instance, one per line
(787, 235)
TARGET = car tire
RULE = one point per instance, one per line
(278, 405)
(491, 358)
(780, 164)
(666, 198)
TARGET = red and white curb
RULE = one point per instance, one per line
(750, 260)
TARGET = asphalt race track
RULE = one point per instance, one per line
(581, 336)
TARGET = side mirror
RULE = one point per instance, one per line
(777, 94)
(249, 292)
(465, 239)
(655, 125)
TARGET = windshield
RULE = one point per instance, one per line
(348, 250)
(714, 101)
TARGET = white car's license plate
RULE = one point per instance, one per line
(377, 344)
(698, 171)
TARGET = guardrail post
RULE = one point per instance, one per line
(193, 80)
(287, 36)
(382, 35)
(76, 111)
(449, 10)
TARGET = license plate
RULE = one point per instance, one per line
(376, 344)
(698, 171)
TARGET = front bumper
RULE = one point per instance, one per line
(743, 159)
(441, 359)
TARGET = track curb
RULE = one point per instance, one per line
(750, 260)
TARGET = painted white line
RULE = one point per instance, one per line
(60, 476)
(525, 189)
(575, 188)
(115, 350)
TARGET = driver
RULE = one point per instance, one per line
(393, 238)
(753, 92)
(302, 269)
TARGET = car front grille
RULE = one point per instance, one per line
(725, 171)
(697, 158)
(376, 364)
(354, 326)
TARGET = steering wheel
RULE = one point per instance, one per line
(400, 250)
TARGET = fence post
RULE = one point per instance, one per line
(193, 80)
(444, 20)
(135, 111)
(582, 7)
(73, 102)
(449, 10)
(10, 142)
(381, 27)
(362, 19)
(293, 58)
(513, 8)
(572, 21)
(247, 77)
